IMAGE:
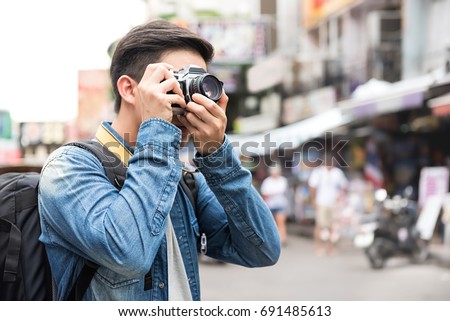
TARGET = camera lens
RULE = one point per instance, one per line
(207, 85)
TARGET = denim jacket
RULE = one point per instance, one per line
(83, 216)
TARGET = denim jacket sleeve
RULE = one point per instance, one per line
(83, 212)
(239, 226)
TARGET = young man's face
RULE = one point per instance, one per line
(180, 59)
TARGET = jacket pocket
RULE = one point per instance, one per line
(114, 280)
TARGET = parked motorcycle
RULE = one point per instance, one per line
(391, 231)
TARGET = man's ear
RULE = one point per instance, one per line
(125, 85)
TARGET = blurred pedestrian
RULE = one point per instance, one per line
(328, 188)
(274, 191)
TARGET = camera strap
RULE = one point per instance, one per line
(112, 143)
(113, 146)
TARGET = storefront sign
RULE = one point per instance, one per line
(316, 10)
(94, 103)
(229, 75)
(433, 190)
(429, 215)
(294, 109)
(300, 107)
(5, 125)
(235, 41)
(38, 140)
(440, 106)
(266, 74)
(321, 100)
(433, 181)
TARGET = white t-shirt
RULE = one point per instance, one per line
(179, 289)
(328, 183)
(274, 189)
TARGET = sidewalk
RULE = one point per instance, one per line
(439, 253)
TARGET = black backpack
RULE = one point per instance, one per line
(24, 269)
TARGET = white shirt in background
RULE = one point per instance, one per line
(328, 183)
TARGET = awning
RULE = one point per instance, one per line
(290, 136)
(403, 95)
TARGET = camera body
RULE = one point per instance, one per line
(194, 79)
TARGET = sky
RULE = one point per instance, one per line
(44, 43)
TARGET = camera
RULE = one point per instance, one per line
(194, 79)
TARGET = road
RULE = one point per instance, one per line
(301, 275)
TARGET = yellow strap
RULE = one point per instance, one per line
(107, 139)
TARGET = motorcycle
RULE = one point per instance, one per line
(391, 231)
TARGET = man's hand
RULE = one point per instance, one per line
(206, 122)
(153, 95)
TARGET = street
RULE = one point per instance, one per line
(301, 275)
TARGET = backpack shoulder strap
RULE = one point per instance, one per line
(114, 168)
(83, 280)
(116, 173)
(12, 252)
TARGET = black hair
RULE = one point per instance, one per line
(146, 44)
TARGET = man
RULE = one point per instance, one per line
(149, 227)
(328, 185)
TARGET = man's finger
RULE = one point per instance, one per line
(171, 85)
